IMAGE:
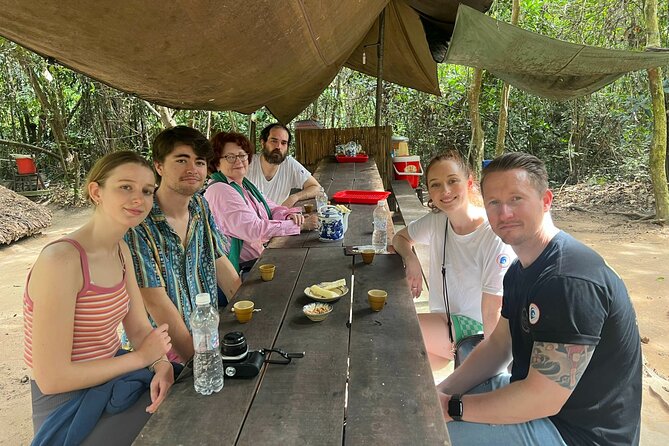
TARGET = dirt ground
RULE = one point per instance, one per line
(638, 251)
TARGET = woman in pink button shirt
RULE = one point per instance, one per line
(240, 210)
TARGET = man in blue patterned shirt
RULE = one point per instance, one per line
(177, 250)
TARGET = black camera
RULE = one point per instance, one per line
(240, 362)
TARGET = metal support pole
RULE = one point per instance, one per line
(379, 67)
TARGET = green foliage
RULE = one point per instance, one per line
(599, 138)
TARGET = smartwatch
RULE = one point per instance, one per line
(455, 408)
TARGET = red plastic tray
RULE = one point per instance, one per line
(359, 196)
(352, 159)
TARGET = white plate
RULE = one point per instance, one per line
(339, 290)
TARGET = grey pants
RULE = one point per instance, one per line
(119, 429)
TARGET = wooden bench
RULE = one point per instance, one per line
(407, 202)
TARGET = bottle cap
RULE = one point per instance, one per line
(202, 299)
(381, 203)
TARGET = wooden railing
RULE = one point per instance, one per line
(312, 145)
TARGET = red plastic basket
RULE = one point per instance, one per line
(362, 158)
(359, 196)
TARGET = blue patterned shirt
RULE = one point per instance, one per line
(161, 261)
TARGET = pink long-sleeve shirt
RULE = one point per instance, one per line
(248, 221)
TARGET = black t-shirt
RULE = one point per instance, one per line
(570, 295)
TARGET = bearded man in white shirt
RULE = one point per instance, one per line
(276, 173)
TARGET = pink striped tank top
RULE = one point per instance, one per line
(97, 315)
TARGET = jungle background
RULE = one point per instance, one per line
(68, 120)
(597, 150)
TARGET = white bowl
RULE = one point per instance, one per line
(339, 290)
(317, 317)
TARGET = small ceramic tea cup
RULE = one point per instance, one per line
(243, 310)
(367, 255)
(376, 299)
(267, 271)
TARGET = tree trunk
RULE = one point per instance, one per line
(503, 120)
(252, 131)
(314, 110)
(379, 69)
(163, 113)
(574, 143)
(658, 145)
(335, 107)
(51, 110)
(166, 117)
(666, 161)
(477, 143)
(76, 184)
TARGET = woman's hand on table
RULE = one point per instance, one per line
(160, 384)
(297, 218)
(309, 222)
(414, 276)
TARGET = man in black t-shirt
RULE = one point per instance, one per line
(567, 323)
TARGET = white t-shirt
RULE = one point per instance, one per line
(475, 264)
(290, 175)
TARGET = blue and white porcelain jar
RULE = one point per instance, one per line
(331, 224)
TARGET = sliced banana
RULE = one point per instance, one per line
(332, 285)
(318, 291)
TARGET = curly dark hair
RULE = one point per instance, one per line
(218, 142)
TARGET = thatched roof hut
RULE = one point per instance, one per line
(20, 217)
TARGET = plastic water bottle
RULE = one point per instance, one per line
(207, 363)
(380, 234)
(321, 199)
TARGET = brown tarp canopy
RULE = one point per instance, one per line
(242, 55)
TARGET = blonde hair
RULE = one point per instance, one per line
(474, 194)
(104, 166)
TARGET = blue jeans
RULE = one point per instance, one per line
(536, 432)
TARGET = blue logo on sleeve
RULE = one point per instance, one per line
(503, 261)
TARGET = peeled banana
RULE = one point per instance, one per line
(318, 291)
(343, 209)
(332, 285)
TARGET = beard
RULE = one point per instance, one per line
(273, 156)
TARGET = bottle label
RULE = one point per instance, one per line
(204, 341)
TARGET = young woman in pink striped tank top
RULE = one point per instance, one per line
(82, 286)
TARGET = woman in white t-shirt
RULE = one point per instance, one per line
(464, 247)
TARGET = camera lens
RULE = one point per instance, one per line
(234, 344)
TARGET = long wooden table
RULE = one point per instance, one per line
(365, 378)
(335, 177)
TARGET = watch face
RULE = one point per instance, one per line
(455, 407)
